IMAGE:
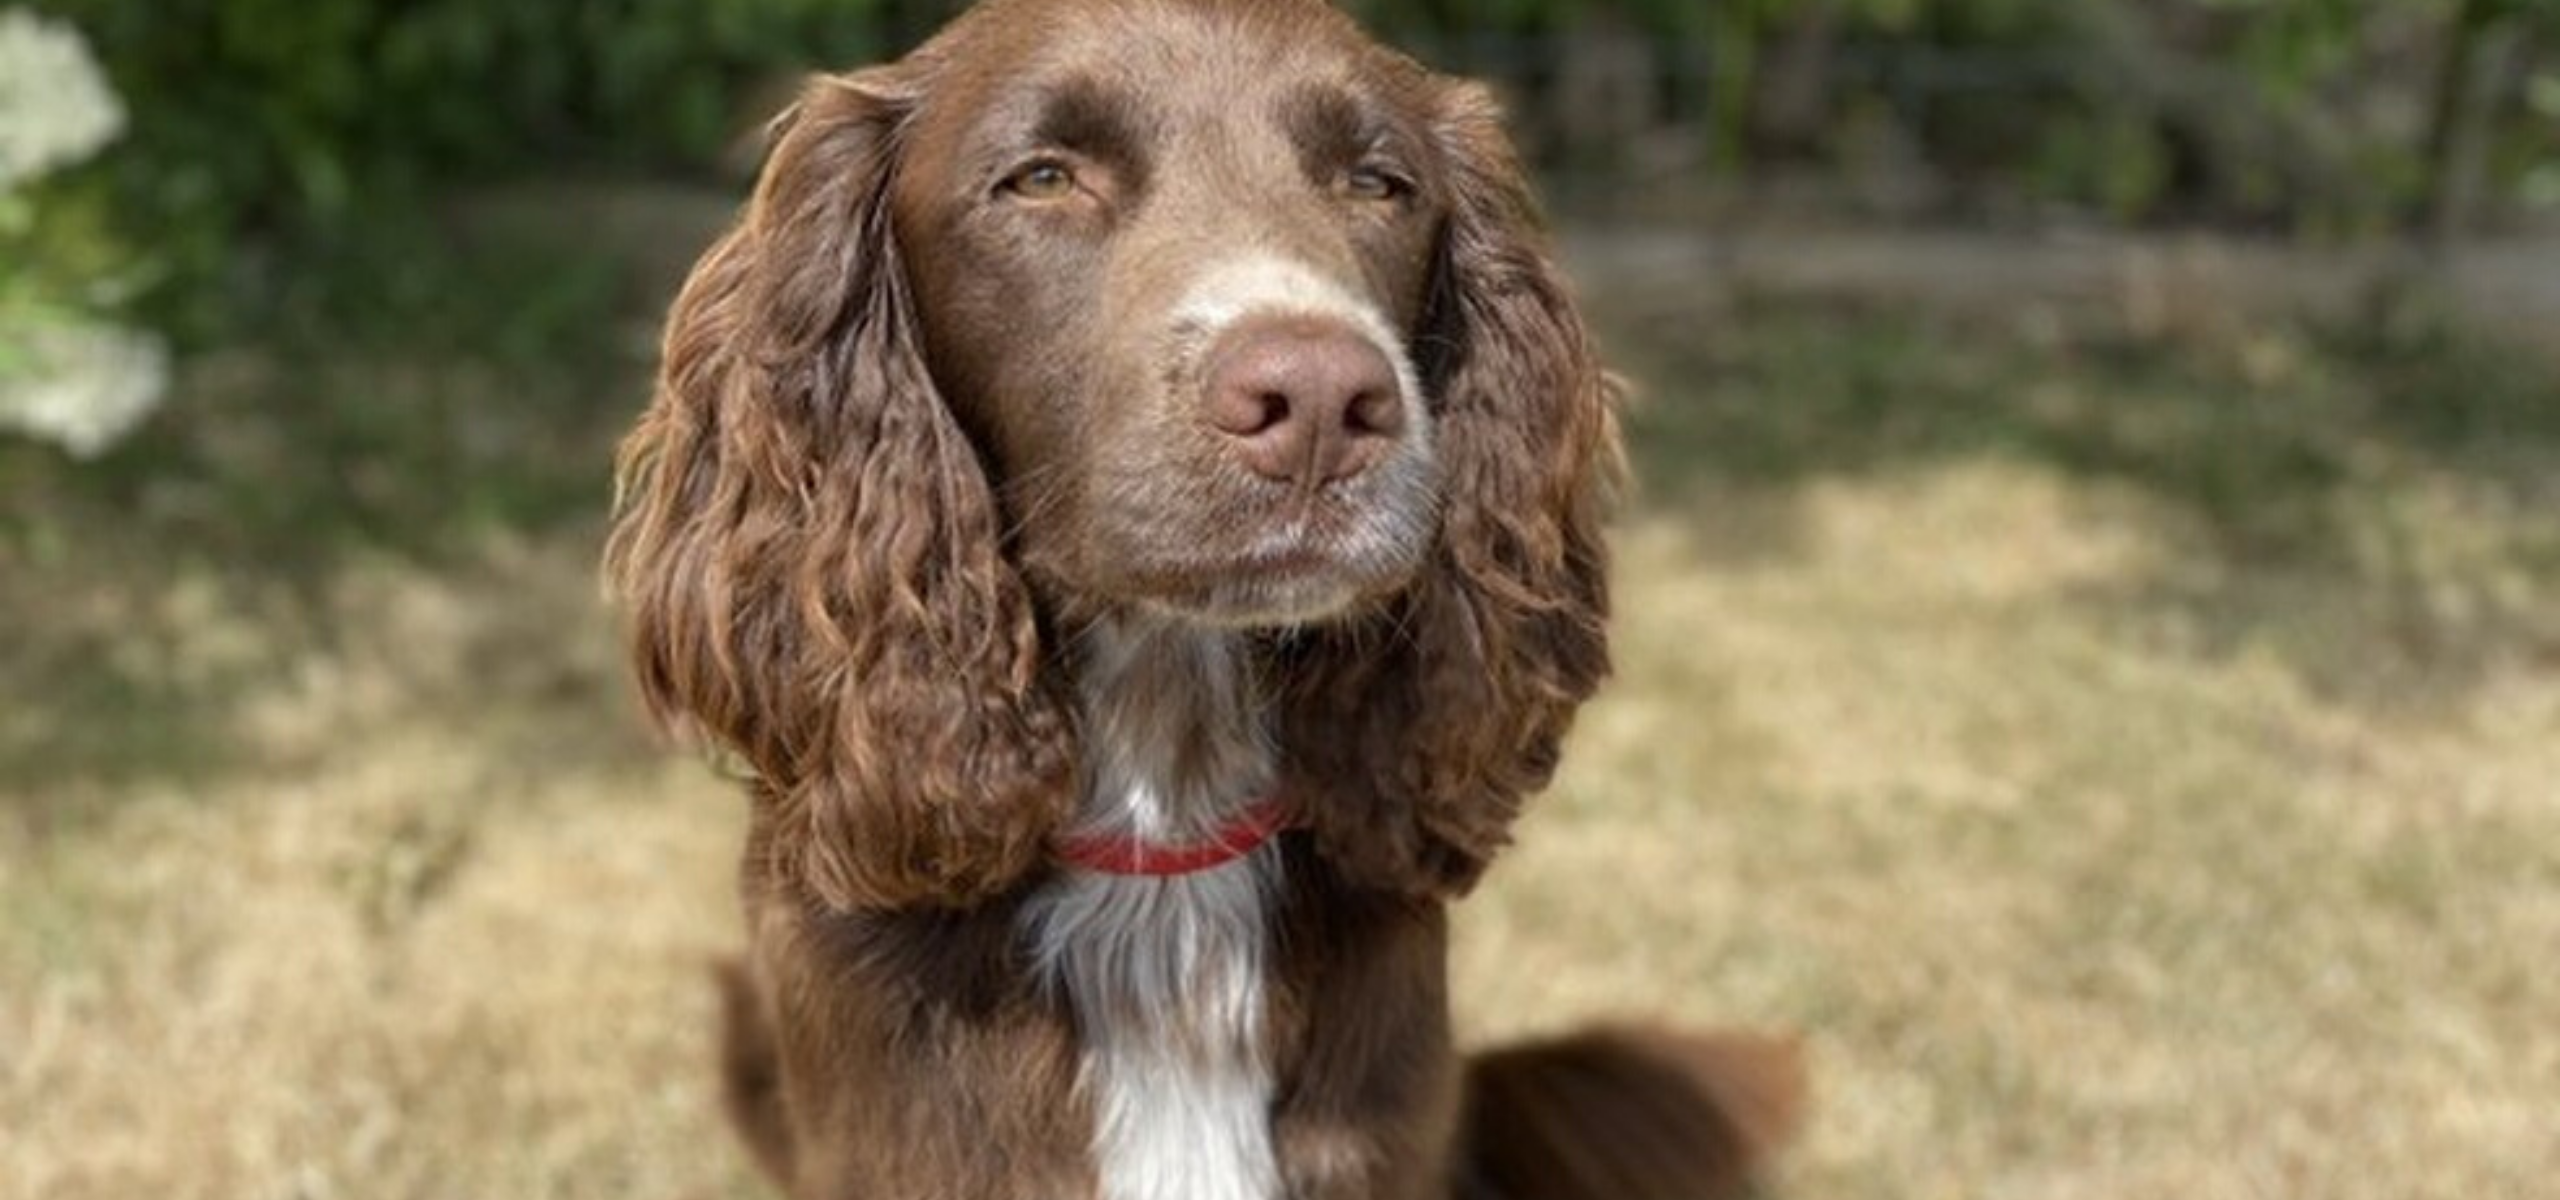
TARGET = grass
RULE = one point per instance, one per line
(2128, 761)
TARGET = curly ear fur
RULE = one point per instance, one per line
(1420, 731)
(808, 549)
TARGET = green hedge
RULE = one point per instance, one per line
(265, 122)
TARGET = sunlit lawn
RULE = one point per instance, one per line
(2136, 766)
(2133, 764)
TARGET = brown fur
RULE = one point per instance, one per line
(913, 434)
(1631, 1114)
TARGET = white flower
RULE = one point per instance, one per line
(55, 105)
(82, 386)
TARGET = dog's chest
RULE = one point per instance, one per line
(1166, 979)
(1166, 974)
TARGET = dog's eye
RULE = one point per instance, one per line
(1044, 179)
(1375, 184)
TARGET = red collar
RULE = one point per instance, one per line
(1112, 854)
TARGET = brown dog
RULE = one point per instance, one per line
(1130, 490)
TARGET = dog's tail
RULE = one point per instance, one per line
(751, 1071)
(1624, 1113)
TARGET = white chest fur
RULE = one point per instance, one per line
(1166, 975)
(1166, 979)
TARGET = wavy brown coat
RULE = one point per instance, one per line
(833, 565)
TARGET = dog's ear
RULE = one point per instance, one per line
(807, 547)
(1420, 732)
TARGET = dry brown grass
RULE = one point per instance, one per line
(2107, 831)
(437, 930)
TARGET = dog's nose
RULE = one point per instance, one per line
(1304, 400)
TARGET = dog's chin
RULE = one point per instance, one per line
(1257, 609)
(1251, 573)
(1277, 592)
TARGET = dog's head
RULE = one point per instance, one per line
(1208, 308)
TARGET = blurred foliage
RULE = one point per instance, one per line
(270, 133)
(409, 399)
(267, 127)
(68, 375)
(2343, 117)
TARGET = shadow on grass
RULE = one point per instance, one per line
(2370, 501)
(405, 403)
